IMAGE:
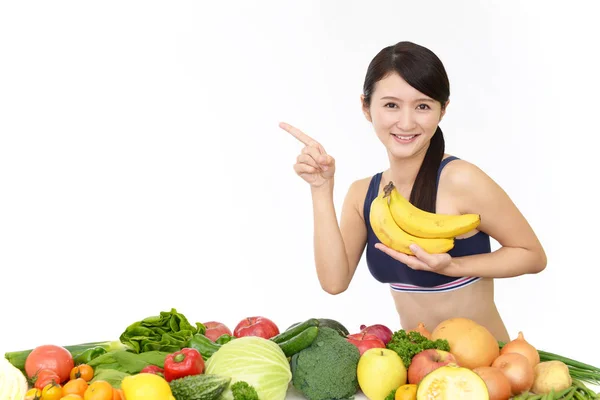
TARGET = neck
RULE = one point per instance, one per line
(403, 172)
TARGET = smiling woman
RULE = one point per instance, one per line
(405, 96)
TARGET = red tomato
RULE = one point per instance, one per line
(54, 358)
(45, 377)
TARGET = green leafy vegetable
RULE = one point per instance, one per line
(407, 345)
(88, 355)
(259, 362)
(170, 332)
(112, 376)
(127, 361)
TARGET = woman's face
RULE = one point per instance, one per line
(404, 119)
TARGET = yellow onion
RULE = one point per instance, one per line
(521, 346)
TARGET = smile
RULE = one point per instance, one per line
(404, 138)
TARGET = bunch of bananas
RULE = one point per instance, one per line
(397, 224)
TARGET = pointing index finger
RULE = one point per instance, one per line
(298, 134)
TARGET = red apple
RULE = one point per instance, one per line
(365, 341)
(215, 329)
(256, 326)
(426, 361)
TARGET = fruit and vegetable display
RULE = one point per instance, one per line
(165, 357)
(397, 223)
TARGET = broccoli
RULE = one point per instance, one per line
(326, 370)
(243, 391)
(408, 344)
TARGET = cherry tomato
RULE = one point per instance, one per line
(33, 394)
(75, 386)
(99, 390)
(45, 377)
(53, 391)
(83, 371)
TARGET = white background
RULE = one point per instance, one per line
(142, 168)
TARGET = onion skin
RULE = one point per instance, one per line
(497, 383)
(422, 330)
(517, 369)
(381, 331)
(521, 346)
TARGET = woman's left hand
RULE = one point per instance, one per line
(422, 260)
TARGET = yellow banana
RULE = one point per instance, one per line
(391, 235)
(425, 224)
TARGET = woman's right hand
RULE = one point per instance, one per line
(313, 164)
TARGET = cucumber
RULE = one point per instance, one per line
(329, 323)
(199, 387)
(294, 330)
(333, 324)
(299, 342)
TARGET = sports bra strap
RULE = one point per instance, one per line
(442, 165)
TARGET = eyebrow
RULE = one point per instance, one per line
(417, 100)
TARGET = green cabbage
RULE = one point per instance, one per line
(259, 362)
(13, 384)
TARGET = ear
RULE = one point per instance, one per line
(365, 109)
(444, 108)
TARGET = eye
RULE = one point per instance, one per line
(423, 106)
(390, 105)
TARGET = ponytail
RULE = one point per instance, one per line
(424, 191)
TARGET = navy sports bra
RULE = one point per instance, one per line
(385, 269)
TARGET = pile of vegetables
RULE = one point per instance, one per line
(495, 370)
(166, 357)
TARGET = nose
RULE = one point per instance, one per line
(406, 121)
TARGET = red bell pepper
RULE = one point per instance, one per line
(153, 369)
(182, 363)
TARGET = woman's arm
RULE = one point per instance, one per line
(338, 248)
(521, 252)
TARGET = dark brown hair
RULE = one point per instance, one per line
(424, 71)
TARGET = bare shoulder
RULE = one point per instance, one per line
(461, 176)
(473, 189)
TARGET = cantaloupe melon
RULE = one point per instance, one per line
(471, 343)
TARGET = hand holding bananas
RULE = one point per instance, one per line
(399, 225)
(313, 164)
(422, 260)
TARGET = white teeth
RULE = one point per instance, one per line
(405, 137)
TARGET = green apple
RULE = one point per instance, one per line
(379, 372)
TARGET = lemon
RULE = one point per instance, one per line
(146, 387)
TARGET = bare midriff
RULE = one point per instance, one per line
(474, 301)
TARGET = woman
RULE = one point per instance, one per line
(405, 96)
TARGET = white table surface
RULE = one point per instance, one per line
(292, 393)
